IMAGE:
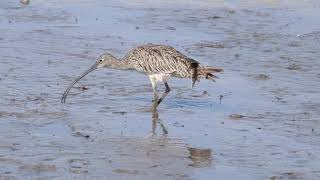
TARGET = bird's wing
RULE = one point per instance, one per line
(154, 59)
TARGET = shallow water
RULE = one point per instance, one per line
(266, 126)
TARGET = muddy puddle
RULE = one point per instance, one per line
(260, 120)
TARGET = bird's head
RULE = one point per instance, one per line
(105, 60)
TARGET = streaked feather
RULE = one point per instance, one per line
(162, 59)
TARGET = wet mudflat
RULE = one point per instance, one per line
(259, 121)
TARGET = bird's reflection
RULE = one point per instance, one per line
(155, 121)
(200, 157)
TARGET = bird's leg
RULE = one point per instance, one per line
(164, 94)
(154, 124)
(164, 129)
(155, 100)
(155, 96)
(155, 120)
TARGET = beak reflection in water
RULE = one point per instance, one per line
(64, 96)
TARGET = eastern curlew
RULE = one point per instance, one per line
(159, 62)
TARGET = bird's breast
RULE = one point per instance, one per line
(160, 77)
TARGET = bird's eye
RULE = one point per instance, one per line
(100, 60)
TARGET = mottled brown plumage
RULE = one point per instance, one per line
(160, 62)
(161, 59)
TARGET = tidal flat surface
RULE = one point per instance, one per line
(260, 120)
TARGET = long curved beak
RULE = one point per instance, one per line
(64, 96)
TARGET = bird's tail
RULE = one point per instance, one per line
(208, 73)
(201, 72)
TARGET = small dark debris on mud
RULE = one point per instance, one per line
(81, 134)
(26, 2)
(79, 162)
(204, 93)
(120, 112)
(290, 175)
(278, 98)
(262, 77)
(215, 17)
(294, 67)
(236, 116)
(39, 167)
(35, 98)
(78, 171)
(210, 45)
(274, 177)
(176, 124)
(154, 166)
(268, 50)
(171, 28)
(82, 88)
(78, 166)
(126, 171)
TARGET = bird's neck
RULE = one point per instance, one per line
(119, 64)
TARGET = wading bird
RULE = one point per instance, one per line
(159, 62)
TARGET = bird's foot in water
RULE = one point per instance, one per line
(151, 134)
